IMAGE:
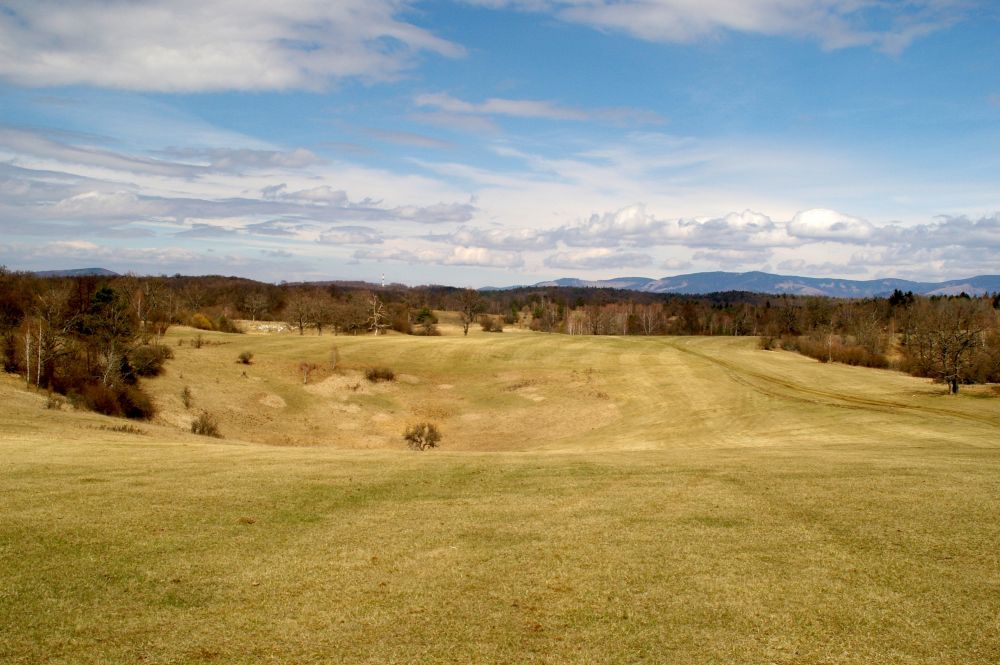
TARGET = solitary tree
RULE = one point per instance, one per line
(377, 317)
(944, 334)
(470, 305)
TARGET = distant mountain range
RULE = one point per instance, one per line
(762, 282)
(78, 272)
(717, 282)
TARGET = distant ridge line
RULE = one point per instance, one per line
(761, 282)
(77, 272)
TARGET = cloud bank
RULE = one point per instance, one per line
(207, 45)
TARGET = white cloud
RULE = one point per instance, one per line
(203, 45)
(238, 160)
(597, 258)
(833, 23)
(634, 226)
(518, 108)
(500, 238)
(350, 235)
(733, 257)
(456, 256)
(532, 108)
(822, 224)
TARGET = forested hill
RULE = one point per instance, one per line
(762, 282)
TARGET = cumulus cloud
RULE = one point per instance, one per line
(834, 24)
(597, 258)
(821, 224)
(947, 231)
(500, 238)
(435, 214)
(204, 45)
(634, 226)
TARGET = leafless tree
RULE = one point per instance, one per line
(298, 310)
(377, 318)
(944, 334)
(470, 305)
(255, 303)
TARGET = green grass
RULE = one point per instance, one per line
(718, 505)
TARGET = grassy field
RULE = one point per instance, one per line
(686, 500)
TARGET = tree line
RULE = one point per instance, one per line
(72, 334)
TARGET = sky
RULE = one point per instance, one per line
(501, 142)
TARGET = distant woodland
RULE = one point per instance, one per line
(94, 338)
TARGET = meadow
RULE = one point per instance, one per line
(594, 499)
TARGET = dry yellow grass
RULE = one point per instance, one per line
(596, 500)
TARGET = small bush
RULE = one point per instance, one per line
(766, 342)
(123, 429)
(198, 341)
(136, 404)
(206, 425)
(148, 360)
(427, 329)
(223, 324)
(490, 324)
(422, 436)
(100, 398)
(201, 322)
(424, 316)
(376, 374)
(307, 369)
(186, 397)
(54, 402)
(246, 357)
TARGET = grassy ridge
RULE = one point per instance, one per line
(724, 505)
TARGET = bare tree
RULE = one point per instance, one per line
(469, 307)
(377, 318)
(943, 336)
(298, 310)
(255, 303)
(322, 310)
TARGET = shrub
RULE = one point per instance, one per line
(136, 404)
(223, 324)
(766, 342)
(307, 369)
(100, 398)
(401, 323)
(376, 374)
(186, 397)
(148, 360)
(198, 341)
(837, 351)
(490, 324)
(206, 425)
(201, 322)
(246, 357)
(422, 436)
(427, 330)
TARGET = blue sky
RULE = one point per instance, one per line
(501, 141)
